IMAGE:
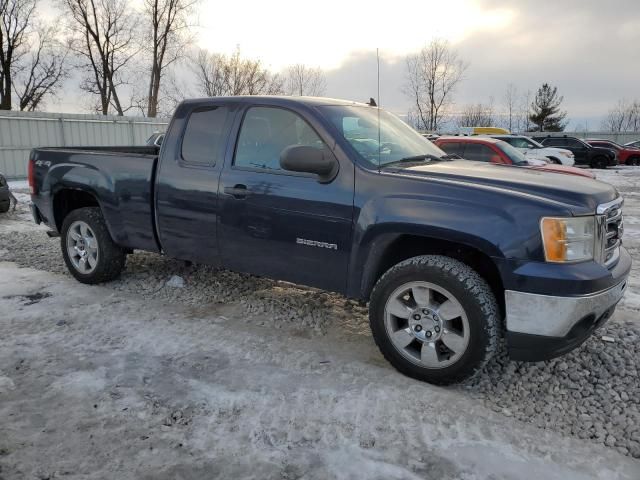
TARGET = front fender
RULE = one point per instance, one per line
(498, 230)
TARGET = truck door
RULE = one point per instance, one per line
(282, 224)
(187, 181)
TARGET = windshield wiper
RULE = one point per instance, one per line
(425, 157)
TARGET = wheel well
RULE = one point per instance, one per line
(408, 246)
(554, 159)
(68, 200)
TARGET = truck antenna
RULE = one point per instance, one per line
(378, 107)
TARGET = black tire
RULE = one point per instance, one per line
(555, 160)
(110, 258)
(633, 161)
(599, 162)
(470, 290)
(4, 207)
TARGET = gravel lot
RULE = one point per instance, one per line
(591, 394)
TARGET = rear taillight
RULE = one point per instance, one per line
(31, 176)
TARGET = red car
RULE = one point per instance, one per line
(626, 155)
(486, 149)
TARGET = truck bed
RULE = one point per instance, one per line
(121, 178)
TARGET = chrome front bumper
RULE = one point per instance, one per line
(553, 316)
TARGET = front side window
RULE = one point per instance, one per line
(203, 139)
(572, 142)
(519, 142)
(377, 136)
(611, 145)
(266, 132)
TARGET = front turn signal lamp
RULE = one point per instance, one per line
(568, 239)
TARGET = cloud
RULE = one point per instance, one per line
(588, 49)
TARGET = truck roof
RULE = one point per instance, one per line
(279, 100)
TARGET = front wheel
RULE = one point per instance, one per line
(635, 161)
(88, 249)
(434, 319)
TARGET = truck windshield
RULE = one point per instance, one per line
(397, 140)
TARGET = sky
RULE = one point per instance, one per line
(589, 49)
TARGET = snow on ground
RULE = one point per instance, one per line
(18, 185)
(20, 219)
(100, 384)
(227, 375)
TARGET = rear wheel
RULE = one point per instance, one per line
(88, 249)
(633, 161)
(434, 319)
(599, 162)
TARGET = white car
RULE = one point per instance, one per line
(533, 149)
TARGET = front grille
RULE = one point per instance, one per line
(613, 227)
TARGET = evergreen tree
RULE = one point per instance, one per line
(545, 110)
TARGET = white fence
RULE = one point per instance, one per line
(22, 131)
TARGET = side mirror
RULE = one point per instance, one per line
(305, 159)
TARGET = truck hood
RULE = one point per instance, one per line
(580, 194)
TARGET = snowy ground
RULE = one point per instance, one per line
(237, 377)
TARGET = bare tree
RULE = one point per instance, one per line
(432, 76)
(511, 107)
(476, 115)
(624, 117)
(220, 75)
(303, 80)
(44, 72)
(103, 34)
(167, 38)
(15, 20)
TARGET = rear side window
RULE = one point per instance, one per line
(478, 152)
(452, 148)
(557, 142)
(203, 139)
(266, 132)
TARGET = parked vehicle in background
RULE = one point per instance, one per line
(584, 154)
(531, 148)
(155, 139)
(488, 149)
(626, 155)
(483, 131)
(6, 197)
(634, 144)
(346, 197)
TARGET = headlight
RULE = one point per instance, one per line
(568, 239)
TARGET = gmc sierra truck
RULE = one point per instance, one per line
(451, 255)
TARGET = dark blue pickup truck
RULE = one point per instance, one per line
(451, 254)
